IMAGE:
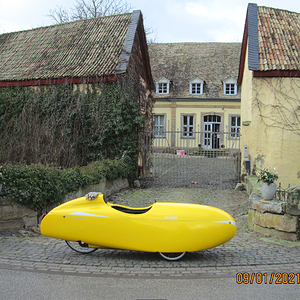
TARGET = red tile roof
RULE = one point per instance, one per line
(278, 39)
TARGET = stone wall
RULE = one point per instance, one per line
(276, 218)
(14, 216)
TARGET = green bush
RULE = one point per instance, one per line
(35, 186)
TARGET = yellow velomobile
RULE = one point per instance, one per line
(172, 229)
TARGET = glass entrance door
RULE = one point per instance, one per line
(211, 136)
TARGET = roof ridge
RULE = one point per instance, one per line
(177, 43)
(65, 23)
(279, 9)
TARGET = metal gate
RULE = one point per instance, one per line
(200, 159)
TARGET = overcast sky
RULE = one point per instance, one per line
(172, 20)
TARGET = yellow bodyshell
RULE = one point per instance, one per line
(161, 227)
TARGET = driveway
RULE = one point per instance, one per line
(245, 252)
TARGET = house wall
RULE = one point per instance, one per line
(273, 136)
(173, 111)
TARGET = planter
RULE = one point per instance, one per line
(268, 191)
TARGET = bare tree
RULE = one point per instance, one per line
(59, 15)
(87, 9)
(279, 104)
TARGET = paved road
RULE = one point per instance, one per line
(20, 285)
(246, 252)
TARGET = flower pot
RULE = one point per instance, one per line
(268, 191)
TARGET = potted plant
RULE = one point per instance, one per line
(222, 147)
(268, 187)
(199, 146)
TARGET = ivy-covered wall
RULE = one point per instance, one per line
(67, 125)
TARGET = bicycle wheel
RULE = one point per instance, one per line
(80, 247)
(172, 256)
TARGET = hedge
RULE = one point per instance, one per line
(35, 186)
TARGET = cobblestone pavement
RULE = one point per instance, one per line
(176, 170)
(246, 252)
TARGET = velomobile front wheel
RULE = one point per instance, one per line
(80, 247)
(172, 256)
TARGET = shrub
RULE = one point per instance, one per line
(35, 186)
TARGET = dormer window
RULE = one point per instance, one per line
(196, 86)
(230, 86)
(163, 86)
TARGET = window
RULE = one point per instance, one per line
(196, 86)
(188, 126)
(159, 125)
(163, 86)
(230, 86)
(235, 125)
(229, 89)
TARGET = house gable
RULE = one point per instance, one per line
(273, 40)
(270, 76)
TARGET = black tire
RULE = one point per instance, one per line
(172, 256)
(80, 247)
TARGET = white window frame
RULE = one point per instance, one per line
(211, 127)
(188, 130)
(158, 128)
(235, 129)
(196, 86)
(163, 86)
(230, 86)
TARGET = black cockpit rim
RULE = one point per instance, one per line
(130, 210)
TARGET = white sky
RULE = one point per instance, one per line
(172, 20)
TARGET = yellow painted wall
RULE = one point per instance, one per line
(174, 110)
(273, 137)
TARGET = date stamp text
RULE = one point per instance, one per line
(268, 278)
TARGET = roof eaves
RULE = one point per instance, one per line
(128, 43)
(253, 50)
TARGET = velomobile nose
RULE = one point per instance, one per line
(223, 227)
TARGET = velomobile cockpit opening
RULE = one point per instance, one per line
(130, 210)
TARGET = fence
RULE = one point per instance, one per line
(199, 159)
(281, 193)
